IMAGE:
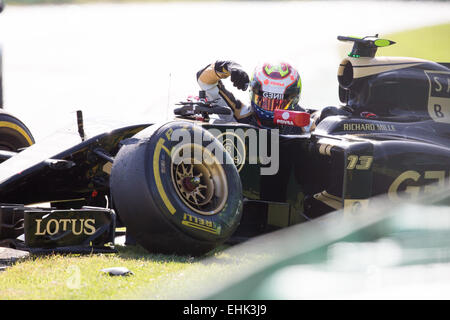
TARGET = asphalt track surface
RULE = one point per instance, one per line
(125, 63)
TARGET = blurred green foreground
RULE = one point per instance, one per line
(388, 251)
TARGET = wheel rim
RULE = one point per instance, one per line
(201, 185)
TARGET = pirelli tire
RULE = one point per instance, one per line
(172, 207)
(14, 135)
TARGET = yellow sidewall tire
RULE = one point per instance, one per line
(14, 135)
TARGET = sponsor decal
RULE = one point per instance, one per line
(272, 95)
(74, 226)
(280, 84)
(439, 95)
(413, 183)
(368, 127)
(235, 147)
(200, 224)
(291, 118)
(285, 122)
(285, 115)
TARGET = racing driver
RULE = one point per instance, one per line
(272, 86)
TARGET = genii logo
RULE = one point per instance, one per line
(411, 184)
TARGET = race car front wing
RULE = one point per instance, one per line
(46, 230)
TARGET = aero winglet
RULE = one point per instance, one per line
(367, 46)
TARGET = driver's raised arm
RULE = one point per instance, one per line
(209, 80)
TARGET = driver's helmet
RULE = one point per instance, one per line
(274, 86)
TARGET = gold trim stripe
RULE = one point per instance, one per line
(329, 199)
(7, 124)
(325, 149)
(158, 182)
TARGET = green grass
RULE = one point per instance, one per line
(430, 43)
(58, 277)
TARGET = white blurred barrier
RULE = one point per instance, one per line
(132, 61)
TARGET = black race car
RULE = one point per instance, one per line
(190, 184)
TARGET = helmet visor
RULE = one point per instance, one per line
(270, 101)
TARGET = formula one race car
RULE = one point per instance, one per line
(190, 184)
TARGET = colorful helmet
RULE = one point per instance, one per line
(274, 86)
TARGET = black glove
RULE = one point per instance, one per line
(239, 78)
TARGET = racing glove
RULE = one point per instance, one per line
(239, 77)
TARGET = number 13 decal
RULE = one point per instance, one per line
(359, 162)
